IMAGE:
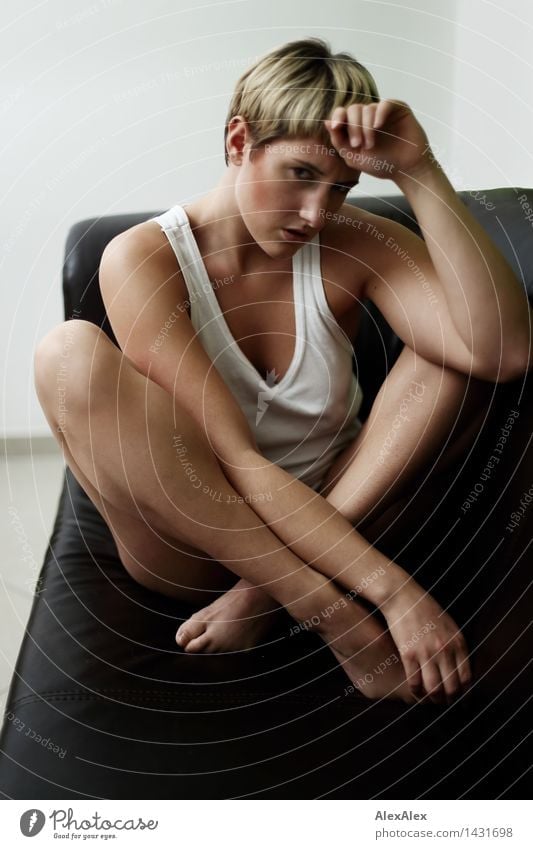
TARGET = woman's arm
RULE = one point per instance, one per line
(484, 319)
(488, 307)
(315, 531)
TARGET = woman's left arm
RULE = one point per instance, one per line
(485, 301)
(486, 304)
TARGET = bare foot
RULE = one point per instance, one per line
(367, 653)
(239, 619)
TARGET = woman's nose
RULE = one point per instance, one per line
(312, 211)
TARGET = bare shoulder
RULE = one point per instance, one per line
(364, 241)
(145, 240)
(358, 229)
(146, 246)
(348, 248)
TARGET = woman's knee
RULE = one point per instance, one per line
(59, 347)
(72, 356)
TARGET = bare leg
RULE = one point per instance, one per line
(420, 412)
(445, 397)
(117, 433)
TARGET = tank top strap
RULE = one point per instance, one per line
(318, 310)
(175, 223)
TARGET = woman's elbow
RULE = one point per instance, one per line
(512, 368)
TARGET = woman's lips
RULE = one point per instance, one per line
(293, 235)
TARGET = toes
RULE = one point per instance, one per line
(190, 630)
(201, 643)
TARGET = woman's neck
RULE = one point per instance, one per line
(221, 233)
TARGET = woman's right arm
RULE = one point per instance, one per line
(146, 299)
(430, 644)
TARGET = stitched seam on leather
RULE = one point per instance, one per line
(196, 697)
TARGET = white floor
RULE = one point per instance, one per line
(29, 493)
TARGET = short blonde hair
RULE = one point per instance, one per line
(293, 89)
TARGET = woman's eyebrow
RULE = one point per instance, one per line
(310, 166)
(347, 185)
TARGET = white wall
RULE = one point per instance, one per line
(113, 106)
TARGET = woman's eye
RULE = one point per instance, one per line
(305, 174)
(302, 173)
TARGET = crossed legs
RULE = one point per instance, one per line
(375, 496)
(116, 433)
(116, 430)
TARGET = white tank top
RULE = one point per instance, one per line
(303, 420)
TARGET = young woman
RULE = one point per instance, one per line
(223, 441)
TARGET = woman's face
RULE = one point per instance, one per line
(290, 183)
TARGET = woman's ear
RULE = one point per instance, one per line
(237, 138)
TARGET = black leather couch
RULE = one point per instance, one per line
(117, 710)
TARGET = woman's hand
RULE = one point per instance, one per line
(431, 646)
(382, 139)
